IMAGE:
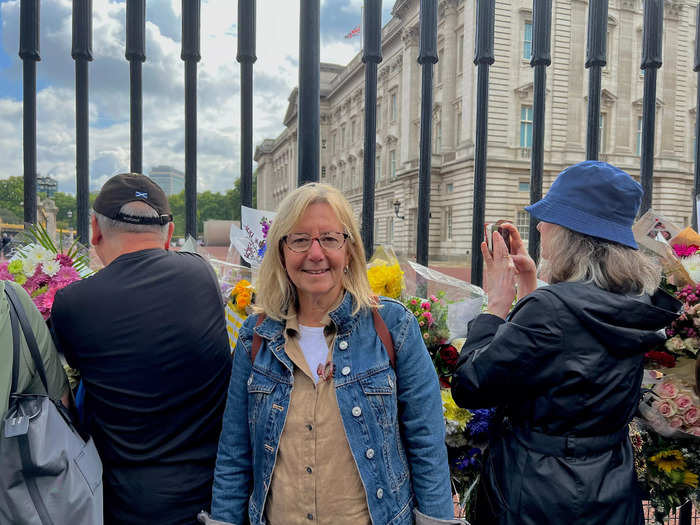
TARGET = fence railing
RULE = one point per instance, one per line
(309, 103)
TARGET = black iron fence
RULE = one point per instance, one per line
(309, 102)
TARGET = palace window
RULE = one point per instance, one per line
(392, 164)
(527, 41)
(639, 135)
(448, 223)
(394, 107)
(378, 169)
(523, 224)
(526, 127)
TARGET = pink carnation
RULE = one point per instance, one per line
(666, 390)
(64, 260)
(665, 408)
(4, 274)
(691, 415)
(684, 251)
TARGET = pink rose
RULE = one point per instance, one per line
(694, 431)
(666, 390)
(433, 298)
(683, 402)
(414, 302)
(665, 408)
(691, 415)
(426, 306)
(676, 422)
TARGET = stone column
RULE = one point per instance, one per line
(448, 67)
(409, 96)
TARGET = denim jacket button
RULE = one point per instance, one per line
(356, 411)
(345, 371)
(343, 345)
(369, 453)
(380, 493)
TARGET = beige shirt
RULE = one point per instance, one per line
(315, 478)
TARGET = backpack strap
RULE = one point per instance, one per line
(384, 334)
(257, 340)
(14, 324)
(28, 334)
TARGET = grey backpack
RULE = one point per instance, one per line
(49, 475)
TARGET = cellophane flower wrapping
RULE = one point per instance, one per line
(385, 274)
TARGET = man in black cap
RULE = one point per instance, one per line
(147, 333)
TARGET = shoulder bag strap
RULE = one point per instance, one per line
(14, 324)
(257, 340)
(28, 335)
(384, 334)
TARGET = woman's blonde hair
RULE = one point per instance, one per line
(611, 266)
(275, 292)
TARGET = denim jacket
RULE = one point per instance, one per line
(397, 441)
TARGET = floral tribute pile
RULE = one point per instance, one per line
(466, 430)
(666, 436)
(42, 269)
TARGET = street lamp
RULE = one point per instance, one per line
(397, 207)
(69, 213)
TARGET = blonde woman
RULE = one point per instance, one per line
(324, 423)
(565, 365)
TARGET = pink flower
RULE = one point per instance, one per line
(683, 402)
(676, 422)
(428, 317)
(684, 251)
(666, 390)
(433, 298)
(65, 276)
(425, 336)
(665, 408)
(64, 259)
(691, 415)
(5, 275)
(414, 302)
(425, 306)
(421, 323)
(694, 431)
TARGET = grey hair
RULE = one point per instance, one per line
(135, 209)
(611, 266)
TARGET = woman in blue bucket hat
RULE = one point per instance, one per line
(564, 366)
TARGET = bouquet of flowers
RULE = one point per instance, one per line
(385, 274)
(666, 436)
(431, 314)
(42, 269)
(237, 309)
(467, 433)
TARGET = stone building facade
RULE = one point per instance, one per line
(510, 118)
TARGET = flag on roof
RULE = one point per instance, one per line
(353, 33)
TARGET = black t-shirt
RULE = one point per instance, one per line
(148, 335)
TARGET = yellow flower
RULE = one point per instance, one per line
(240, 286)
(668, 460)
(452, 412)
(243, 299)
(690, 479)
(386, 280)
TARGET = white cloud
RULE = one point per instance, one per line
(275, 74)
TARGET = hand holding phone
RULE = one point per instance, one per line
(505, 233)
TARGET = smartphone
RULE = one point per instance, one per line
(497, 227)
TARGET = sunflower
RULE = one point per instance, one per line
(690, 479)
(668, 460)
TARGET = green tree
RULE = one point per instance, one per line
(12, 196)
(210, 205)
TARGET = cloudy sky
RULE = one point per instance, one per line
(218, 164)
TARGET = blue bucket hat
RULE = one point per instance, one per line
(593, 198)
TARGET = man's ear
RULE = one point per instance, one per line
(96, 236)
(169, 236)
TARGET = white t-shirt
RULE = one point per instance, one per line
(312, 342)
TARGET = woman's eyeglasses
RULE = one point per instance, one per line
(301, 242)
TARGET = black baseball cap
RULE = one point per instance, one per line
(132, 187)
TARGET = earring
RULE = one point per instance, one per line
(345, 270)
